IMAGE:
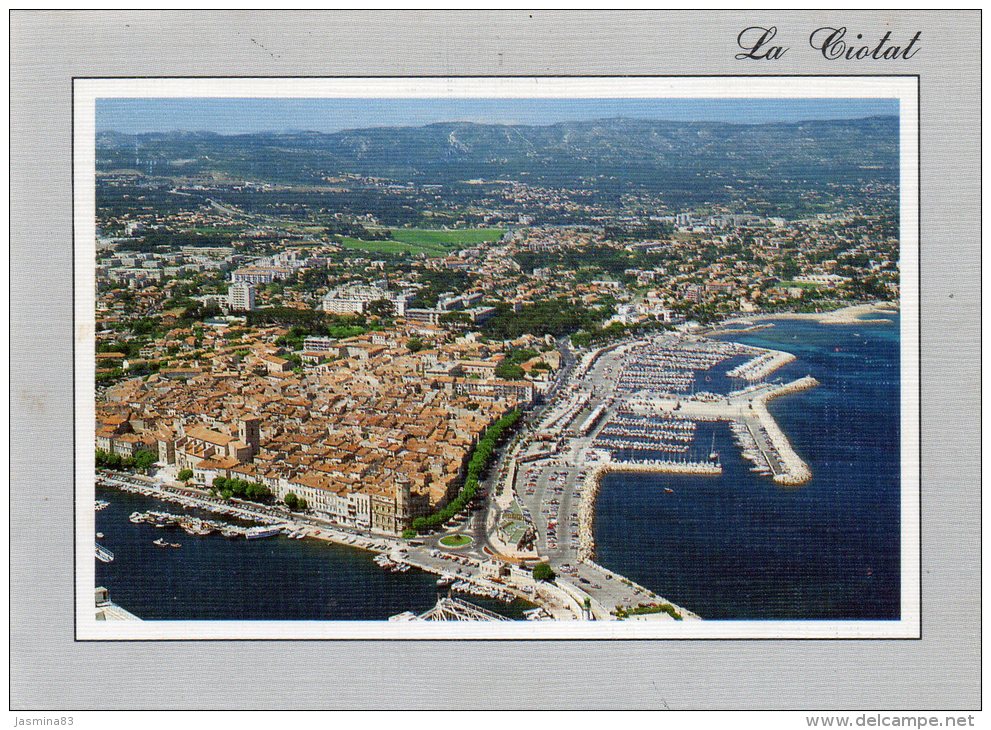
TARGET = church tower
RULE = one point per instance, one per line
(249, 431)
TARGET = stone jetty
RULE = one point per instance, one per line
(593, 480)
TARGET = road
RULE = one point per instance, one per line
(551, 488)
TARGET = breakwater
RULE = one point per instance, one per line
(762, 439)
(759, 367)
(593, 481)
(745, 547)
(794, 471)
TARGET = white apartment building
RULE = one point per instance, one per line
(355, 298)
(241, 297)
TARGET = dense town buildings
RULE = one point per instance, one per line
(284, 349)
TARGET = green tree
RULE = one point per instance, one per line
(414, 344)
(544, 572)
(509, 371)
(481, 457)
(144, 459)
(581, 339)
(381, 308)
(291, 500)
(185, 475)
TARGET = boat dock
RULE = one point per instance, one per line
(761, 439)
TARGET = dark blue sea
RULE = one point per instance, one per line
(212, 577)
(741, 547)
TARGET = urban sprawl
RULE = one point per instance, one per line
(449, 391)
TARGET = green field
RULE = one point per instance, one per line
(450, 238)
(391, 247)
(426, 241)
(455, 541)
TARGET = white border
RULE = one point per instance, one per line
(86, 91)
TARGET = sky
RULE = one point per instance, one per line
(240, 116)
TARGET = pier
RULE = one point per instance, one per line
(107, 610)
(748, 408)
(765, 363)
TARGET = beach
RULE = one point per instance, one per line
(854, 314)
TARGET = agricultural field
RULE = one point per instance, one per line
(426, 241)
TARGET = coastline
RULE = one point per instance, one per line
(447, 564)
(586, 514)
(853, 314)
(593, 482)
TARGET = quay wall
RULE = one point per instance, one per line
(586, 515)
(796, 471)
(593, 482)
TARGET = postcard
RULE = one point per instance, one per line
(500, 358)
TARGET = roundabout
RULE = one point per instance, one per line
(452, 542)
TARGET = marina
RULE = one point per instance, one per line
(747, 546)
(670, 413)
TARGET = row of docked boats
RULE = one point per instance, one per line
(669, 366)
(187, 523)
(197, 526)
(749, 448)
(629, 444)
(477, 589)
(390, 565)
(213, 505)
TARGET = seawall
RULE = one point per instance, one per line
(795, 470)
(593, 482)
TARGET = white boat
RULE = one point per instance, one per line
(103, 555)
(257, 533)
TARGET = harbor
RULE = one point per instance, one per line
(676, 417)
(744, 546)
(663, 415)
(278, 578)
(650, 398)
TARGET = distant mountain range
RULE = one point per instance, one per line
(608, 154)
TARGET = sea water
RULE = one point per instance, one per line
(739, 546)
(216, 578)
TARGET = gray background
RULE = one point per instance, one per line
(51, 671)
